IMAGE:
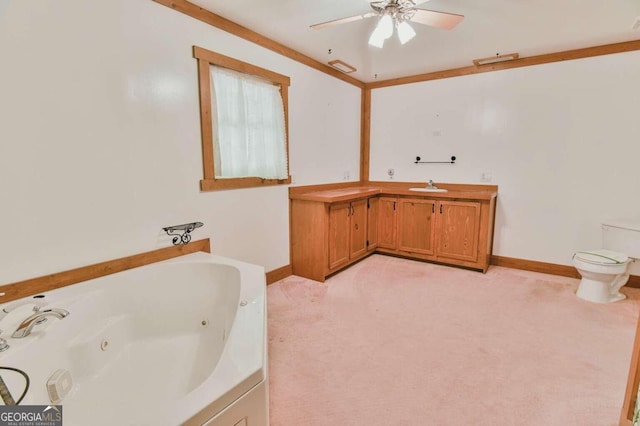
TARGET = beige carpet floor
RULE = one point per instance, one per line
(392, 341)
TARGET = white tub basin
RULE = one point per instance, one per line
(166, 344)
(427, 190)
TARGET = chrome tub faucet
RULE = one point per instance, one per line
(38, 303)
(24, 329)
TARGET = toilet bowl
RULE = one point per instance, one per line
(603, 272)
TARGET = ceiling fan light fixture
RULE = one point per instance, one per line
(405, 32)
(376, 40)
(383, 31)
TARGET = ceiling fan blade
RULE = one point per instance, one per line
(417, 2)
(343, 20)
(445, 21)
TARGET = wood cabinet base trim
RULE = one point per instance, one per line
(351, 262)
(507, 262)
(62, 279)
(548, 268)
(428, 259)
(279, 274)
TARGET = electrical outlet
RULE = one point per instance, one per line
(486, 177)
(346, 175)
(391, 172)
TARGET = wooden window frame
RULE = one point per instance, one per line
(206, 58)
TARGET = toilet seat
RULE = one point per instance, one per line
(603, 273)
(602, 257)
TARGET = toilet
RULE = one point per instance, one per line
(605, 271)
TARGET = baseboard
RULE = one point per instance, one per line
(548, 268)
(278, 274)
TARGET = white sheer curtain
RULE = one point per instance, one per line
(248, 126)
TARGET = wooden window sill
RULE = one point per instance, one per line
(236, 183)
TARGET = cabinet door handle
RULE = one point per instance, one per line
(394, 205)
(433, 208)
(440, 208)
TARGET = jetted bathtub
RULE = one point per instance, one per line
(175, 342)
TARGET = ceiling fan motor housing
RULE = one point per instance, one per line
(399, 10)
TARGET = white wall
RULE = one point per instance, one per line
(561, 140)
(100, 140)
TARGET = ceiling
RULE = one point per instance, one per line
(529, 27)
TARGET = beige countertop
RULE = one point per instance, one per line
(454, 191)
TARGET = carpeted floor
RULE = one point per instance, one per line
(397, 342)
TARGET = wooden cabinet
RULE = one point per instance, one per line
(339, 224)
(458, 230)
(416, 225)
(447, 231)
(326, 237)
(358, 229)
(335, 228)
(347, 232)
(372, 223)
(387, 222)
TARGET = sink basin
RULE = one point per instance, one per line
(427, 190)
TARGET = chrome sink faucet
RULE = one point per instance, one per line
(24, 329)
(430, 184)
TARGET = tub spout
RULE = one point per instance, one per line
(24, 329)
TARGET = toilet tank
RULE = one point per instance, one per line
(623, 236)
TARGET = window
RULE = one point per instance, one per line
(243, 114)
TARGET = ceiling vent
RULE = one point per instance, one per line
(342, 66)
(636, 24)
(496, 59)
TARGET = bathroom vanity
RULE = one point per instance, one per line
(334, 226)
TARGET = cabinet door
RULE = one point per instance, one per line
(339, 219)
(372, 224)
(416, 225)
(387, 223)
(458, 230)
(358, 240)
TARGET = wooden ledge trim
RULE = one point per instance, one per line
(548, 58)
(238, 30)
(279, 274)
(62, 279)
(548, 268)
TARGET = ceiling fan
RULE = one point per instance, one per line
(398, 12)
